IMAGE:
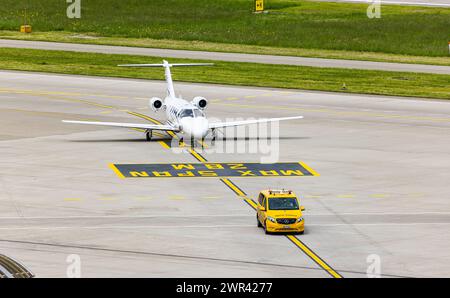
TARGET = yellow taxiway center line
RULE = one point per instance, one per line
(313, 256)
(251, 203)
(233, 187)
(379, 195)
(164, 144)
(345, 196)
(197, 155)
(72, 199)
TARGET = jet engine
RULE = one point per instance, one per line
(200, 102)
(156, 104)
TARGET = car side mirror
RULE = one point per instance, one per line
(261, 208)
(302, 208)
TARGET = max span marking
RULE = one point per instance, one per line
(206, 169)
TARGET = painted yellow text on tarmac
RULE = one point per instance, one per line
(281, 169)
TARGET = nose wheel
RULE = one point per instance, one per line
(148, 135)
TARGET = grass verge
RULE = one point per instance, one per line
(402, 30)
(246, 74)
(92, 38)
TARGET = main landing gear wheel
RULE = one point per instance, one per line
(213, 133)
(148, 135)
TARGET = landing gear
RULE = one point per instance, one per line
(213, 132)
(203, 143)
(148, 135)
(181, 142)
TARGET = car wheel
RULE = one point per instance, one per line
(258, 222)
(265, 228)
(300, 233)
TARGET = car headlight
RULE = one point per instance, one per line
(300, 219)
(271, 219)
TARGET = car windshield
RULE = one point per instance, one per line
(186, 113)
(283, 204)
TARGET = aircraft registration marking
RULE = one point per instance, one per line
(212, 169)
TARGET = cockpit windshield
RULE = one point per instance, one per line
(191, 113)
(186, 113)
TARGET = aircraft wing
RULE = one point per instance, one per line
(248, 122)
(127, 125)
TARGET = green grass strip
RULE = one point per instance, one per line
(403, 30)
(245, 74)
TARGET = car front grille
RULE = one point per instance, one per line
(286, 221)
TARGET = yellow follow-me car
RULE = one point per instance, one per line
(279, 211)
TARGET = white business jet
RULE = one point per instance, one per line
(183, 117)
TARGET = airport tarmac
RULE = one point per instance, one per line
(383, 186)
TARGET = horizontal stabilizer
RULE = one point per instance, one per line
(165, 65)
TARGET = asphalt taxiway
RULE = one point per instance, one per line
(382, 190)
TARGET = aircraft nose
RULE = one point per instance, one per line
(199, 128)
(195, 127)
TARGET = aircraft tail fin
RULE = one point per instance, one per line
(168, 75)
